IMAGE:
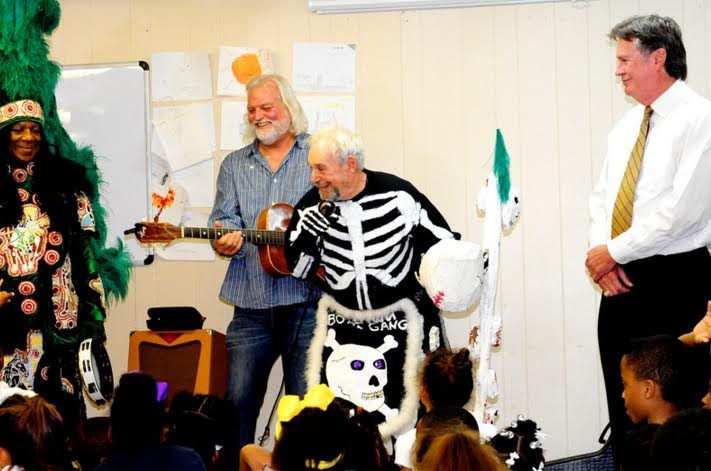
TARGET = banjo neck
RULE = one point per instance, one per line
(254, 236)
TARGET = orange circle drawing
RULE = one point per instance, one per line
(245, 67)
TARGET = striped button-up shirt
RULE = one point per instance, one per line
(246, 186)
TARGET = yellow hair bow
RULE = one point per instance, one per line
(320, 396)
(314, 464)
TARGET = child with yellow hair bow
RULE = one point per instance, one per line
(320, 432)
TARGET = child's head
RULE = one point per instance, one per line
(447, 378)
(326, 433)
(437, 422)
(195, 421)
(136, 414)
(520, 445)
(658, 372)
(94, 444)
(682, 442)
(32, 434)
(459, 450)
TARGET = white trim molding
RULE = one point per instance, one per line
(359, 6)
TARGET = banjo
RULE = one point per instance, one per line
(268, 235)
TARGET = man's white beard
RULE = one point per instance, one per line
(270, 135)
(335, 195)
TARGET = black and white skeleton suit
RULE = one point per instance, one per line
(374, 244)
(370, 248)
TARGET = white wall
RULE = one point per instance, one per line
(432, 86)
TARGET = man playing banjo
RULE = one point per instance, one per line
(272, 316)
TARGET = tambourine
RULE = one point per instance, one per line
(96, 373)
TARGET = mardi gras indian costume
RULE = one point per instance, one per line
(47, 264)
(375, 319)
(55, 264)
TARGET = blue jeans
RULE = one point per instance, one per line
(255, 339)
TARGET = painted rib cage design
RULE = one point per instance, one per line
(370, 238)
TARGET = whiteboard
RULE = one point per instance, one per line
(106, 106)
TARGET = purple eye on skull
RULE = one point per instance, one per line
(379, 364)
(357, 365)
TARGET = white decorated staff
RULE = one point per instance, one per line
(499, 202)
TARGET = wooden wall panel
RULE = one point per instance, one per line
(540, 180)
(378, 98)
(707, 40)
(412, 86)
(601, 58)
(574, 154)
(431, 88)
(511, 359)
(114, 29)
(68, 45)
(693, 25)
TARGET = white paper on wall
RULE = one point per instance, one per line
(232, 125)
(237, 66)
(161, 173)
(186, 133)
(172, 212)
(329, 111)
(180, 76)
(324, 67)
(199, 183)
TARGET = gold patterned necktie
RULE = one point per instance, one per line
(622, 212)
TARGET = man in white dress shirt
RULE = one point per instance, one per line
(651, 208)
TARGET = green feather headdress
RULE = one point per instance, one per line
(26, 72)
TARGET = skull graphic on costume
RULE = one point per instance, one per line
(359, 373)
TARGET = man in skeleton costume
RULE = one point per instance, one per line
(368, 231)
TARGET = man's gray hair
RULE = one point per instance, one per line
(340, 143)
(299, 122)
(652, 32)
